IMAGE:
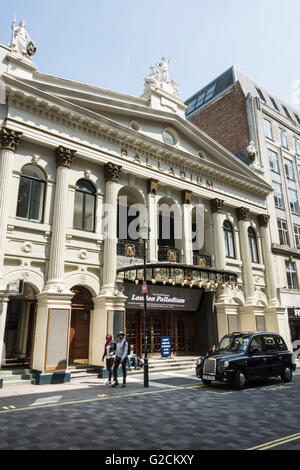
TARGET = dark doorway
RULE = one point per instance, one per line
(81, 306)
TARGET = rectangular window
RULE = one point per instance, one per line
(289, 169)
(283, 138)
(232, 323)
(283, 232)
(273, 159)
(261, 95)
(268, 129)
(274, 103)
(297, 146)
(297, 235)
(297, 118)
(294, 204)
(278, 197)
(286, 112)
(260, 323)
(291, 274)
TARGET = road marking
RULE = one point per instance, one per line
(90, 400)
(45, 401)
(277, 442)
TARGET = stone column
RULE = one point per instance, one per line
(152, 221)
(263, 221)
(10, 142)
(218, 233)
(64, 158)
(187, 228)
(243, 218)
(111, 175)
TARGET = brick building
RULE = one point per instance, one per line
(235, 110)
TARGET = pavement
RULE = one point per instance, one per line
(176, 412)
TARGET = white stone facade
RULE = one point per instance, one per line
(75, 132)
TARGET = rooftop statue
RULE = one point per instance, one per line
(160, 75)
(21, 43)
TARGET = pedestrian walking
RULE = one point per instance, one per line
(109, 353)
(120, 358)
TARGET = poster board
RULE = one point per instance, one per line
(57, 339)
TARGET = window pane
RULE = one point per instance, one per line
(273, 159)
(37, 200)
(260, 323)
(89, 212)
(232, 323)
(23, 197)
(268, 129)
(33, 172)
(78, 205)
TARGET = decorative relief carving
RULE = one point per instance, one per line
(186, 197)
(112, 172)
(242, 213)
(10, 139)
(152, 187)
(263, 220)
(217, 205)
(26, 247)
(64, 156)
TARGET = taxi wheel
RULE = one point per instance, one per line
(240, 379)
(287, 375)
(206, 382)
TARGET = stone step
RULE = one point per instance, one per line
(8, 372)
(11, 378)
(15, 383)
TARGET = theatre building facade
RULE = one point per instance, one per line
(76, 161)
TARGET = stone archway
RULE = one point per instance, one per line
(81, 306)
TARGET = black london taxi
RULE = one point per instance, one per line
(244, 356)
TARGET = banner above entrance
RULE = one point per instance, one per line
(163, 298)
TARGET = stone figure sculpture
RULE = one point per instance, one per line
(159, 77)
(21, 42)
(251, 152)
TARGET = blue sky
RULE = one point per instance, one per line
(112, 43)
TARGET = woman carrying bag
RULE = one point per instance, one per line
(109, 353)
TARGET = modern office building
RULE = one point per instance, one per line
(74, 158)
(236, 111)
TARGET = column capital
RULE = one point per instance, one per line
(112, 172)
(243, 213)
(217, 205)
(10, 139)
(263, 220)
(186, 197)
(64, 156)
(152, 186)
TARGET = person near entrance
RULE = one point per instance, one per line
(120, 358)
(109, 353)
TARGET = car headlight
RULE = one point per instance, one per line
(199, 361)
(225, 364)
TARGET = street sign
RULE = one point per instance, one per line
(15, 287)
(165, 346)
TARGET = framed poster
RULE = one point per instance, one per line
(57, 339)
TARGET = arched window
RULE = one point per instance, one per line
(31, 193)
(84, 208)
(229, 240)
(253, 245)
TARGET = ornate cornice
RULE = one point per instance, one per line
(216, 205)
(263, 220)
(10, 139)
(64, 156)
(112, 172)
(243, 213)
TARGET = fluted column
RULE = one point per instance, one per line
(218, 233)
(152, 221)
(187, 228)
(263, 221)
(64, 158)
(111, 175)
(243, 218)
(10, 142)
